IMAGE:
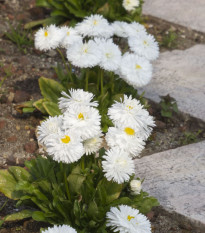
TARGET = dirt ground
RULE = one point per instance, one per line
(22, 68)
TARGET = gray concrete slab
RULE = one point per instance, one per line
(188, 13)
(180, 73)
(177, 178)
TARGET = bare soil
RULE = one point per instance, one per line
(22, 68)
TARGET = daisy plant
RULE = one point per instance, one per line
(74, 11)
(106, 59)
(84, 182)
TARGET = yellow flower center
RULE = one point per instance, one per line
(145, 42)
(129, 131)
(129, 107)
(130, 217)
(66, 139)
(80, 116)
(68, 33)
(138, 67)
(108, 55)
(95, 22)
(46, 33)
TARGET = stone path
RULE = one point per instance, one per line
(188, 13)
(182, 75)
(177, 178)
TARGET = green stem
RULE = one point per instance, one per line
(112, 81)
(65, 180)
(86, 79)
(83, 163)
(66, 67)
(101, 81)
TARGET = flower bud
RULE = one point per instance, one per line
(135, 186)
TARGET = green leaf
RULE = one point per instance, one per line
(43, 3)
(35, 23)
(7, 183)
(20, 174)
(38, 216)
(166, 113)
(19, 216)
(50, 89)
(75, 182)
(52, 108)
(39, 105)
(28, 110)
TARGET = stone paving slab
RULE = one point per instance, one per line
(188, 13)
(180, 73)
(177, 178)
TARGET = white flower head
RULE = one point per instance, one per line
(60, 229)
(136, 187)
(131, 112)
(84, 120)
(48, 128)
(111, 54)
(94, 26)
(120, 28)
(48, 38)
(145, 46)
(130, 5)
(136, 30)
(70, 36)
(92, 145)
(84, 55)
(126, 139)
(117, 165)
(127, 219)
(135, 70)
(66, 147)
(76, 97)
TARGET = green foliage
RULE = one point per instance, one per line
(169, 40)
(20, 37)
(77, 194)
(190, 137)
(75, 10)
(113, 89)
(168, 106)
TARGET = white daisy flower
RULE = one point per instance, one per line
(84, 120)
(130, 111)
(120, 28)
(48, 38)
(94, 26)
(136, 30)
(76, 97)
(48, 128)
(60, 229)
(136, 187)
(66, 147)
(126, 139)
(117, 165)
(145, 46)
(130, 5)
(135, 70)
(70, 36)
(127, 219)
(92, 145)
(84, 55)
(111, 54)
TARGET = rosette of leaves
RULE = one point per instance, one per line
(76, 194)
(74, 10)
(113, 90)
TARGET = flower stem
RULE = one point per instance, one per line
(101, 81)
(65, 180)
(66, 67)
(83, 163)
(86, 79)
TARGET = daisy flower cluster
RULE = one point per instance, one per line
(132, 126)
(92, 43)
(74, 133)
